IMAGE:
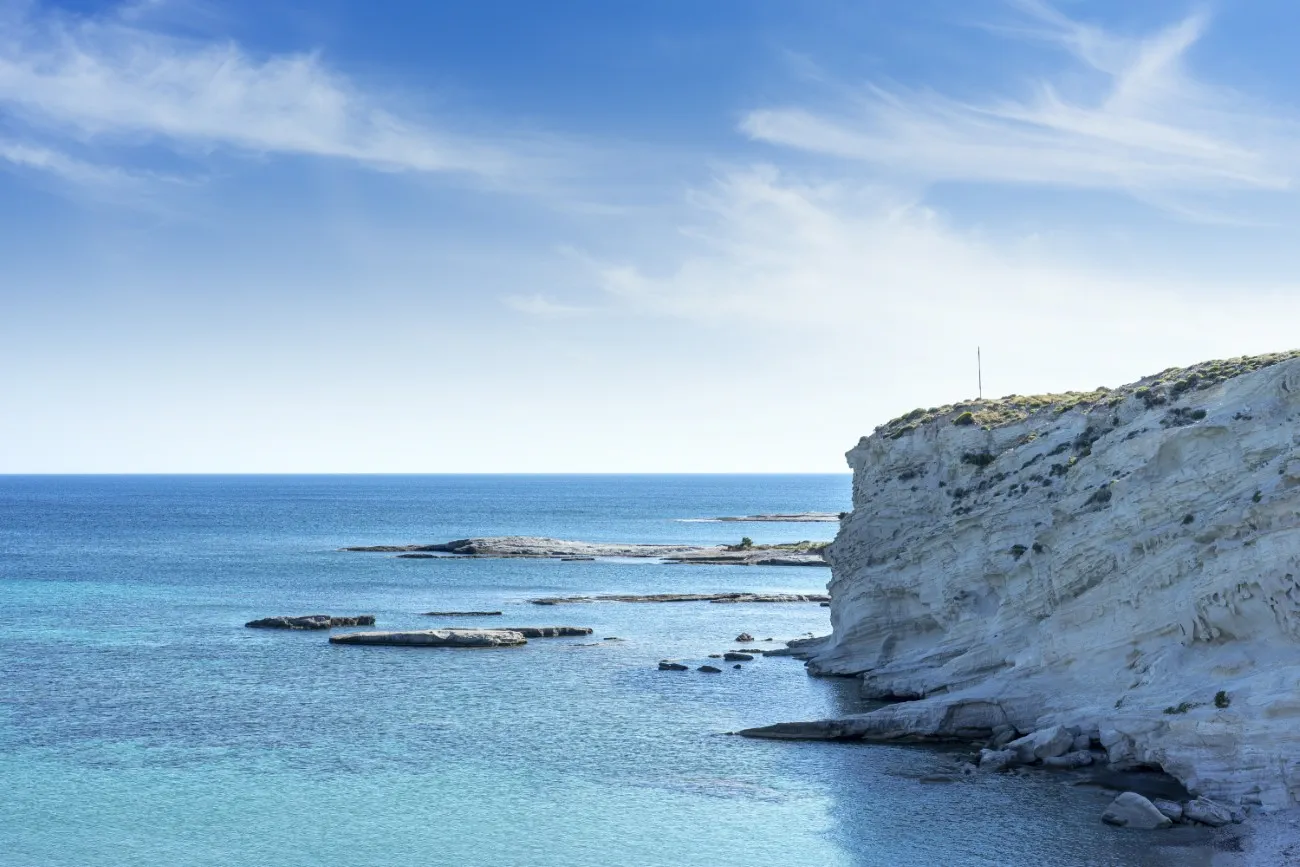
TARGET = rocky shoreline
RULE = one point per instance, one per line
(537, 547)
(1102, 578)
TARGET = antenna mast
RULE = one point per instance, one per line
(979, 370)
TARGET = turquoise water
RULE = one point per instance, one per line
(141, 724)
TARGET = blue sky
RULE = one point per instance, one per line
(594, 236)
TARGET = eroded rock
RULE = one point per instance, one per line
(1042, 744)
(311, 621)
(1207, 812)
(1131, 810)
(434, 638)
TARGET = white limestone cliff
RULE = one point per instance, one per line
(1112, 561)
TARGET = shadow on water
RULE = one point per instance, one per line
(883, 813)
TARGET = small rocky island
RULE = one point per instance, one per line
(311, 621)
(1109, 577)
(746, 553)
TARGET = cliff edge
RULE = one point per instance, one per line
(1125, 562)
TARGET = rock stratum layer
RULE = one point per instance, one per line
(1124, 562)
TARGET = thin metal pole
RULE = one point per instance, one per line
(979, 370)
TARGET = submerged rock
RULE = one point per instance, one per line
(1131, 810)
(672, 665)
(709, 669)
(738, 657)
(744, 636)
(996, 760)
(311, 621)
(434, 638)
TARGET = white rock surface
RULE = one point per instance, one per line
(434, 638)
(1089, 568)
(1207, 812)
(1131, 810)
(1172, 809)
(1042, 744)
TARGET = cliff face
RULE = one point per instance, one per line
(1113, 560)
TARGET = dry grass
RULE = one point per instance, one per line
(1166, 387)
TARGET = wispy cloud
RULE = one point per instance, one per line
(889, 287)
(112, 79)
(46, 160)
(1148, 124)
(545, 307)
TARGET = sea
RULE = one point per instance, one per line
(142, 724)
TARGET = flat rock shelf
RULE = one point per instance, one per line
(435, 638)
(793, 518)
(311, 621)
(685, 597)
(802, 553)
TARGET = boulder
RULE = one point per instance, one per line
(434, 638)
(1003, 735)
(744, 636)
(1131, 810)
(1081, 742)
(738, 657)
(672, 665)
(1172, 809)
(1076, 759)
(311, 621)
(996, 760)
(710, 669)
(1207, 812)
(1042, 744)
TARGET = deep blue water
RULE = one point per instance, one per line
(141, 724)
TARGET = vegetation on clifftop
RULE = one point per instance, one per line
(1165, 387)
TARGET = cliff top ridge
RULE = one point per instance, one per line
(1167, 386)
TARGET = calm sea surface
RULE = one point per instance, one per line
(142, 724)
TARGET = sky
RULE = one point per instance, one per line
(583, 236)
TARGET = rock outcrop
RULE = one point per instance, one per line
(311, 621)
(803, 553)
(548, 631)
(434, 638)
(1123, 562)
(684, 597)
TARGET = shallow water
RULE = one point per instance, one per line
(140, 723)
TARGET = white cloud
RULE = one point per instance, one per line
(544, 307)
(47, 160)
(111, 79)
(895, 298)
(1150, 126)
